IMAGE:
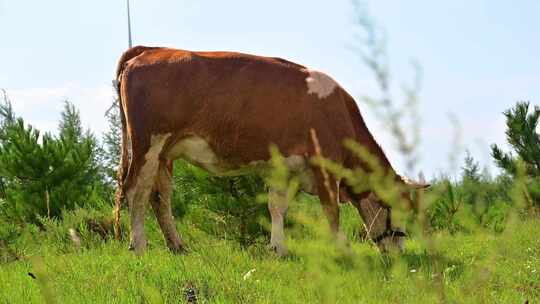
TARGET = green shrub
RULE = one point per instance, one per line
(41, 175)
(222, 206)
(522, 136)
(443, 212)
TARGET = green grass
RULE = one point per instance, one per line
(481, 267)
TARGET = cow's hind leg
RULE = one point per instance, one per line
(142, 175)
(161, 203)
(277, 205)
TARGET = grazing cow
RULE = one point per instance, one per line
(221, 111)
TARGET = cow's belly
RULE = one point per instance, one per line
(197, 151)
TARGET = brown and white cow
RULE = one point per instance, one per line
(221, 111)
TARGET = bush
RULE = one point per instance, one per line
(442, 214)
(474, 200)
(222, 206)
(522, 136)
(41, 175)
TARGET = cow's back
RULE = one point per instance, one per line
(238, 103)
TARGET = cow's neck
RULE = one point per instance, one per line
(364, 137)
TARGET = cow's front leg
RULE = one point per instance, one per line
(277, 205)
(328, 192)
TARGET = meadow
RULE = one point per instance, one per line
(481, 267)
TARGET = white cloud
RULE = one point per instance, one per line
(41, 107)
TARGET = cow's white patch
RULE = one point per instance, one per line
(319, 83)
(196, 150)
(139, 194)
(152, 155)
(129, 150)
(151, 162)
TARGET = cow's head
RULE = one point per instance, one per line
(377, 215)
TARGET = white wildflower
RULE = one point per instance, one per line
(75, 238)
(248, 274)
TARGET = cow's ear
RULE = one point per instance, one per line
(414, 185)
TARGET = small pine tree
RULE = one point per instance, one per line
(70, 127)
(42, 177)
(442, 214)
(471, 181)
(85, 145)
(522, 136)
(477, 188)
(471, 169)
(7, 117)
(112, 141)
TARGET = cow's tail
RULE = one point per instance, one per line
(123, 167)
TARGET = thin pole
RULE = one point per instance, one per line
(129, 24)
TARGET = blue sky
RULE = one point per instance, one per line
(478, 57)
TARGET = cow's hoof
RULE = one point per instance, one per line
(279, 250)
(139, 249)
(178, 249)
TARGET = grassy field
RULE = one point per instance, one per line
(480, 267)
